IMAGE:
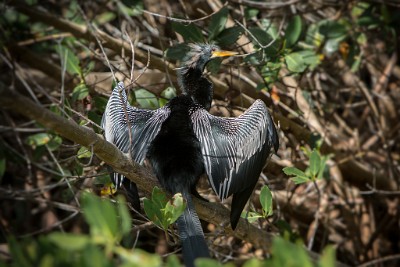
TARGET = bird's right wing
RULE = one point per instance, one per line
(120, 118)
(235, 149)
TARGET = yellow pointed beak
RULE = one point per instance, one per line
(221, 53)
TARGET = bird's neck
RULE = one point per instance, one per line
(193, 83)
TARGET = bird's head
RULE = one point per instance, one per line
(200, 54)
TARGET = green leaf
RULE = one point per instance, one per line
(177, 52)
(254, 262)
(124, 215)
(270, 28)
(229, 36)
(266, 201)
(19, 256)
(54, 143)
(70, 242)
(259, 36)
(154, 208)
(190, 32)
(322, 166)
(204, 262)
(299, 176)
(80, 92)
(71, 61)
(295, 62)
(281, 248)
(328, 258)
(101, 215)
(315, 162)
(217, 23)
(293, 31)
(251, 216)
(250, 12)
(174, 208)
(83, 152)
(146, 99)
(39, 139)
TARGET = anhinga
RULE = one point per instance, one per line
(182, 141)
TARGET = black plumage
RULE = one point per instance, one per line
(182, 141)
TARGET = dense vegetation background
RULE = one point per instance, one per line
(328, 70)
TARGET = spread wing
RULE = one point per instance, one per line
(235, 149)
(120, 118)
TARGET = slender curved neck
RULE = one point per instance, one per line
(193, 83)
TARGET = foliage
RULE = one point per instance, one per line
(162, 211)
(316, 169)
(266, 204)
(108, 223)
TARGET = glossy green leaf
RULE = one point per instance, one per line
(295, 62)
(266, 201)
(217, 23)
(69, 242)
(189, 32)
(293, 31)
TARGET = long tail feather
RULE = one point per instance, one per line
(191, 234)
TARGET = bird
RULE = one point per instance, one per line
(182, 141)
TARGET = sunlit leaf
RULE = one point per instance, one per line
(174, 208)
(83, 152)
(266, 200)
(251, 216)
(295, 62)
(69, 242)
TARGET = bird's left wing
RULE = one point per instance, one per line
(235, 149)
(120, 118)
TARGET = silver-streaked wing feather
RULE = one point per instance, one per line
(120, 117)
(235, 149)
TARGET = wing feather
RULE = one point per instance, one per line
(120, 117)
(235, 149)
